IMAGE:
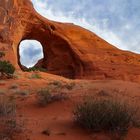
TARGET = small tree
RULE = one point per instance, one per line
(6, 68)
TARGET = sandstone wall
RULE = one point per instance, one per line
(69, 50)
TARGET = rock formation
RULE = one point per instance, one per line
(69, 50)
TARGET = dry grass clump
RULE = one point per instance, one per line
(56, 84)
(8, 122)
(22, 92)
(62, 85)
(7, 106)
(14, 86)
(100, 114)
(44, 97)
(35, 76)
(70, 86)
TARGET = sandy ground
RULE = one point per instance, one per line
(57, 117)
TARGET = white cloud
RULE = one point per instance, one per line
(106, 34)
(115, 21)
(30, 52)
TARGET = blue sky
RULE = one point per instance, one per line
(116, 21)
(30, 52)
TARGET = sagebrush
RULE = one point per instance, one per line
(45, 96)
(106, 114)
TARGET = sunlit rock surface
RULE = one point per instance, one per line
(69, 50)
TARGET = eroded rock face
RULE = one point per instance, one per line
(69, 50)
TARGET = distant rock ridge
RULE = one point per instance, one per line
(69, 50)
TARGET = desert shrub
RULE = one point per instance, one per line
(14, 86)
(2, 54)
(8, 123)
(62, 85)
(7, 106)
(45, 97)
(36, 69)
(6, 68)
(105, 114)
(35, 76)
(22, 92)
(56, 83)
(42, 69)
(70, 86)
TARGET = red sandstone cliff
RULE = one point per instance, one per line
(69, 50)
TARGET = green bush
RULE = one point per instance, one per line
(36, 69)
(100, 114)
(6, 68)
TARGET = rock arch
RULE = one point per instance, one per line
(58, 56)
(62, 55)
(69, 50)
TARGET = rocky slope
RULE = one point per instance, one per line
(69, 50)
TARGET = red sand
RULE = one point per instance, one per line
(57, 117)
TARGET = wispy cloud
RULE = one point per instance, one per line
(116, 21)
(30, 52)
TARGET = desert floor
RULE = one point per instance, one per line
(57, 117)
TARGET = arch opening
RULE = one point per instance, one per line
(55, 55)
(30, 52)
